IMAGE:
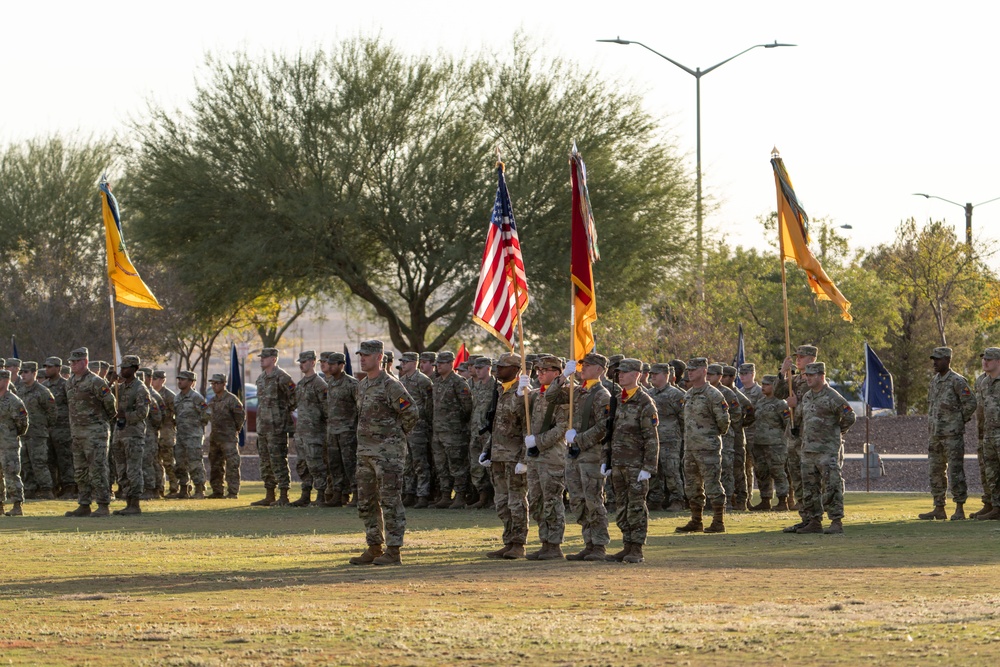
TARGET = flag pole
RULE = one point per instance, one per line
(784, 286)
(868, 420)
(572, 300)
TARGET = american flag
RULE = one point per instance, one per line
(502, 294)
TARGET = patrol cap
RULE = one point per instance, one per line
(325, 357)
(645, 367)
(408, 356)
(12, 363)
(130, 360)
(747, 368)
(679, 367)
(140, 375)
(697, 362)
(373, 346)
(806, 351)
(29, 366)
(218, 377)
(531, 358)
(666, 369)
(595, 359)
(991, 353)
(729, 371)
(629, 365)
(549, 361)
(715, 369)
(614, 359)
(815, 368)
(337, 358)
(464, 366)
(769, 379)
(187, 375)
(148, 372)
(94, 365)
(4, 374)
(483, 361)
(508, 359)
(306, 355)
(52, 361)
(389, 355)
(157, 375)
(941, 353)
(428, 356)
(445, 357)
(65, 369)
(268, 352)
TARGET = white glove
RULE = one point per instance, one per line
(570, 436)
(570, 368)
(483, 461)
(523, 382)
(643, 476)
(605, 471)
(529, 441)
(520, 469)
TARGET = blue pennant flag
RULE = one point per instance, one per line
(347, 361)
(235, 386)
(877, 387)
(13, 348)
(741, 358)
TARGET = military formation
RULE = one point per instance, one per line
(541, 438)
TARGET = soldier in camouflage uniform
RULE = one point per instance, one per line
(729, 438)
(59, 434)
(483, 387)
(311, 400)
(743, 487)
(634, 450)
(191, 413)
(92, 406)
(584, 454)
(167, 438)
(13, 425)
(275, 404)
(342, 432)
(951, 404)
(227, 418)
(13, 365)
(504, 456)
(706, 420)
(988, 394)
(769, 453)
(417, 470)
(670, 431)
(385, 414)
(546, 451)
(152, 473)
(130, 434)
(804, 354)
(826, 416)
(751, 389)
(452, 412)
(42, 415)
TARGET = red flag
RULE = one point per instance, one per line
(583, 253)
(461, 355)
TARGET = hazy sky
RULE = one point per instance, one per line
(878, 100)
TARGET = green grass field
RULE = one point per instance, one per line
(221, 583)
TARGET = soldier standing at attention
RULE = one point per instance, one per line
(989, 468)
(670, 431)
(417, 470)
(743, 488)
(42, 416)
(92, 406)
(769, 454)
(152, 473)
(751, 390)
(310, 431)
(342, 432)
(792, 389)
(951, 404)
(14, 366)
(452, 411)
(228, 416)
(483, 388)
(385, 414)
(275, 404)
(192, 415)
(729, 438)
(13, 424)
(706, 420)
(59, 433)
(167, 438)
(130, 434)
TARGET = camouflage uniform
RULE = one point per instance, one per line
(754, 393)
(91, 408)
(989, 406)
(482, 399)
(342, 433)
(951, 404)
(729, 438)
(769, 453)
(417, 472)
(59, 434)
(191, 413)
(130, 435)
(547, 470)
(452, 411)
(706, 420)
(311, 400)
(826, 416)
(275, 404)
(13, 425)
(743, 486)
(227, 418)
(41, 406)
(510, 490)
(152, 471)
(668, 483)
(167, 438)
(385, 414)
(793, 432)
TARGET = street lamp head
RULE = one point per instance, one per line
(776, 45)
(616, 40)
(921, 194)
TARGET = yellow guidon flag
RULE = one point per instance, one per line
(794, 240)
(129, 287)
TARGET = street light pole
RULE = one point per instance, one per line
(967, 207)
(697, 73)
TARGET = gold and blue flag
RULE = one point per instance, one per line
(129, 287)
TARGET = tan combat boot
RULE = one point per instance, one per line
(618, 557)
(131, 509)
(282, 500)
(763, 506)
(515, 551)
(782, 505)
(992, 515)
(46, 494)
(959, 514)
(581, 555)
(985, 509)
(102, 510)
(444, 501)
(368, 557)
(811, 527)
(458, 503)
(484, 499)
(718, 524)
(304, 499)
(695, 524)
(390, 557)
(81, 510)
(836, 527)
(599, 554)
(936, 513)
(634, 556)
(535, 554)
(553, 552)
(499, 552)
(15, 510)
(266, 501)
(423, 502)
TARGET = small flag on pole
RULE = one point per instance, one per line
(740, 358)
(877, 387)
(347, 361)
(129, 288)
(583, 253)
(235, 386)
(13, 348)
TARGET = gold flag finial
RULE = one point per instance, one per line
(775, 153)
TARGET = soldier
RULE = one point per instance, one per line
(463, 370)
(385, 414)
(311, 399)
(743, 486)
(42, 416)
(633, 452)
(167, 438)
(503, 455)
(13, 365)
(92, 406)
(644, 376)
(130, 434)
(227, 417)
(13, 424)
(65, 372)
(951, 404)
(59, 434)
(152, 473)
(428, 364)
(483, 388)
(729, 438)
(669, 400)
(706, 420)
(793, 393)
(584, 455)
(275, 404)
(342, 432)
(452, 411)
(417, 469)
(826, 416)
(751, 389)
(988, 389)
(191, 413)
(769, 453)
(680, 370)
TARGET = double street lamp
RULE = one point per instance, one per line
(968, 214)
(697, 73)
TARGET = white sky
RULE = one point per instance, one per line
(878, 100)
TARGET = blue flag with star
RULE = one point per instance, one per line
(235, 385)
(877, 387)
